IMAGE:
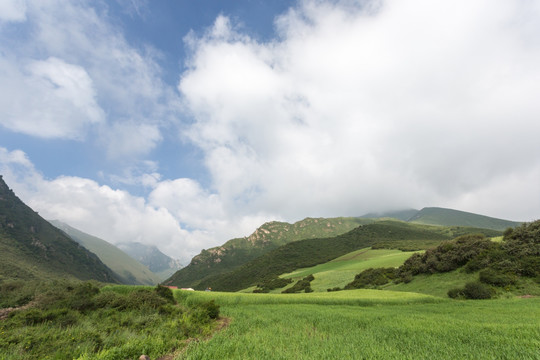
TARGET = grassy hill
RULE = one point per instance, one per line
(127, 269)
(311, 252)
(341, 271)
(31, 248)
(449, 217)
(269, 236)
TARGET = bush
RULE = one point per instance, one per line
(301, 285)
(165, 293)
(210, 308)
(492, 277)
(476, 290)
(455, 293)
(372, 278)
(447, 256)
(144, 299)
(337, 288)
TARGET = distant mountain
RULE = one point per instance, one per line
(269, 236)
(399, 214)
(449, 217)
(445, 217)
(31, 248)
(160, 264)
(127, 269)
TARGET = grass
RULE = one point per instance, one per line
(338, 326)
(80, 321)
(341, 271)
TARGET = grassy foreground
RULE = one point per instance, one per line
(369, 324)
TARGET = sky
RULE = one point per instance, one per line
(183, 124)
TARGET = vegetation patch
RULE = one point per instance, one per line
(302, 285)
(81, 320)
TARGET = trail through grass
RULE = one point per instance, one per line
(337, 326)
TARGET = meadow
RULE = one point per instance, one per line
(368, 324)
(341, 271)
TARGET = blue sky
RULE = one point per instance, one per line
(186, 123)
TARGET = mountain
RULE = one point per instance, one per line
(389, 234)
(269, 236)
(403, 215)
(160, 264)
(127, 269)
(31, 248)
(310, 252)
(449, 217)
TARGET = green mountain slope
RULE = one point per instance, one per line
(311, 252)
(31, 248)
(269, 236)
(127, 269)
(449, 217)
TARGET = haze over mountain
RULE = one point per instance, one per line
(32, 248)
(126, 269)
(160, 264)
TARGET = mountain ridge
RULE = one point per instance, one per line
(127, 269)
(32, 248)
(269, 236)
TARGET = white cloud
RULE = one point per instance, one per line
(129, 139)
(49, 99)
(358, 109)
(12, 10)
(68, 66)
(180, 218)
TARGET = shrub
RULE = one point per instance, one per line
(165, 293)
(492, 277)
(476, 290)
(372, 278)
(301, 285)
(455, 293)
(144, 299)
(337, 288)
(447, 256)
(211, 308)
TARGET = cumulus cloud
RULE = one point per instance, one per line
(48, 98)
(353, 107)
(356, 108)
(179, 217)
(13, 10)
(69, 72)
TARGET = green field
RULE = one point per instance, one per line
(368, 324)
(341, 271)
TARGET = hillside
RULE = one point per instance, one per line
(269, 236)
(449, 217)
(127, 269)
(31, 248)
(310, 252)
(160, 264)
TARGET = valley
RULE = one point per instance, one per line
(376, 288)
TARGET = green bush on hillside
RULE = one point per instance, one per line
(473, 290)
(493, 277)
(371, 277)
(301, 285)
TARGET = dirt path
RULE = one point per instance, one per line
(4, 313)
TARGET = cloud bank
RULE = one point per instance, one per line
(351, 108)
